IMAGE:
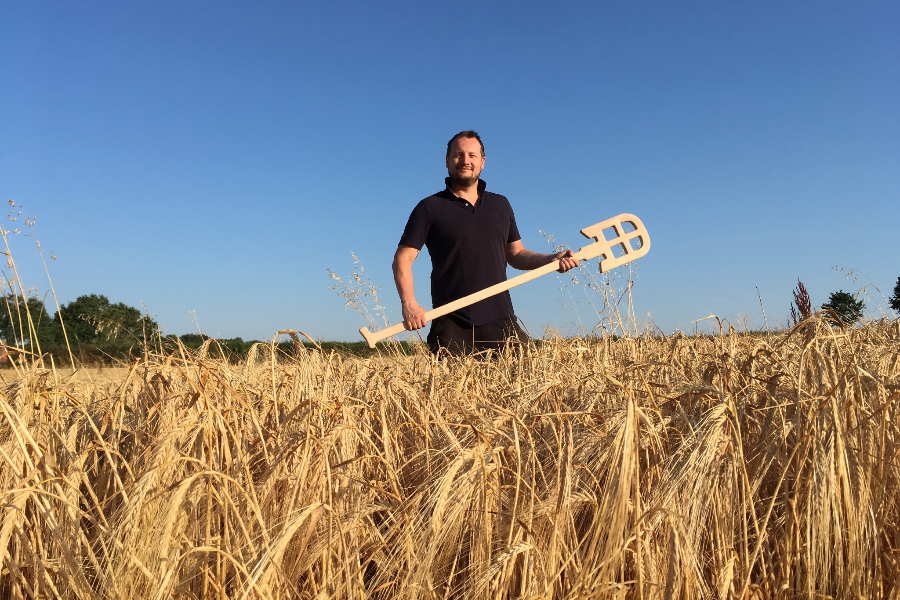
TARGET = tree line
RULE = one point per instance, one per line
(99, 331)
(91, 325)
(102, 332)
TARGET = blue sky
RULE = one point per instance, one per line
(219, 157)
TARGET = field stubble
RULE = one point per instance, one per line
(722, 466)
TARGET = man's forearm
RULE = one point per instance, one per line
(526, 260)
(403, 279)
(413, 314)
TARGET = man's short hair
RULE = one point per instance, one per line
(465, 134)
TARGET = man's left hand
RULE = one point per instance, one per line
(566, 260)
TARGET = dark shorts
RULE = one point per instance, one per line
(447, 334)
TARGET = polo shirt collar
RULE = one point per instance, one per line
(481, 187)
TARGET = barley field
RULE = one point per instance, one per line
(733, 465)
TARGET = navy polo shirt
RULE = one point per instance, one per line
(467, 245)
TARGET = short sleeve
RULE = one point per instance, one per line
(513, 235)
(417, 227)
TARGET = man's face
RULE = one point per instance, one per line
(465, 161)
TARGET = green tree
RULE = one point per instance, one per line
(94, 320)
(14, 323)
(895, 299)
(193, 340)
(846, 306)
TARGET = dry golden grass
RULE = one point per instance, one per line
(710, 467)
(88, 374)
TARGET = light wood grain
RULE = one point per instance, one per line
(601, 247)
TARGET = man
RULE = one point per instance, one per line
(471, 235)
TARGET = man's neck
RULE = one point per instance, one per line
(466, 192)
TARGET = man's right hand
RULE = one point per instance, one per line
(413, 316)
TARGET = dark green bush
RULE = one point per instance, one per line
(848, 309)
(895, 299)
